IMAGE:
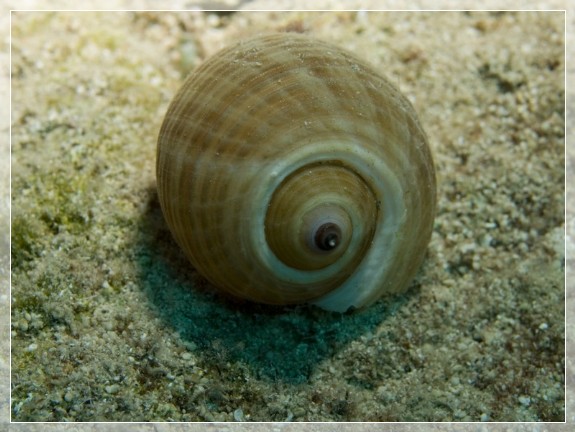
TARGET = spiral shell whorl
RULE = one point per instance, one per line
(285, 125)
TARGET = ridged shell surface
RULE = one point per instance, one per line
(289, 171)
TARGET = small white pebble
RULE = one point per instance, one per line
(112, 389)
(32, 347)
(213, 20)
(239, 415)
(524, 400)
(484, 417)
(543, 326)
(459, 414)
(467, 247)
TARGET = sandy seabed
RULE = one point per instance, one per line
(110, 323)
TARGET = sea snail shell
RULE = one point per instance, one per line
(289, 171)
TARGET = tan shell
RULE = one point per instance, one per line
(289, 171)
